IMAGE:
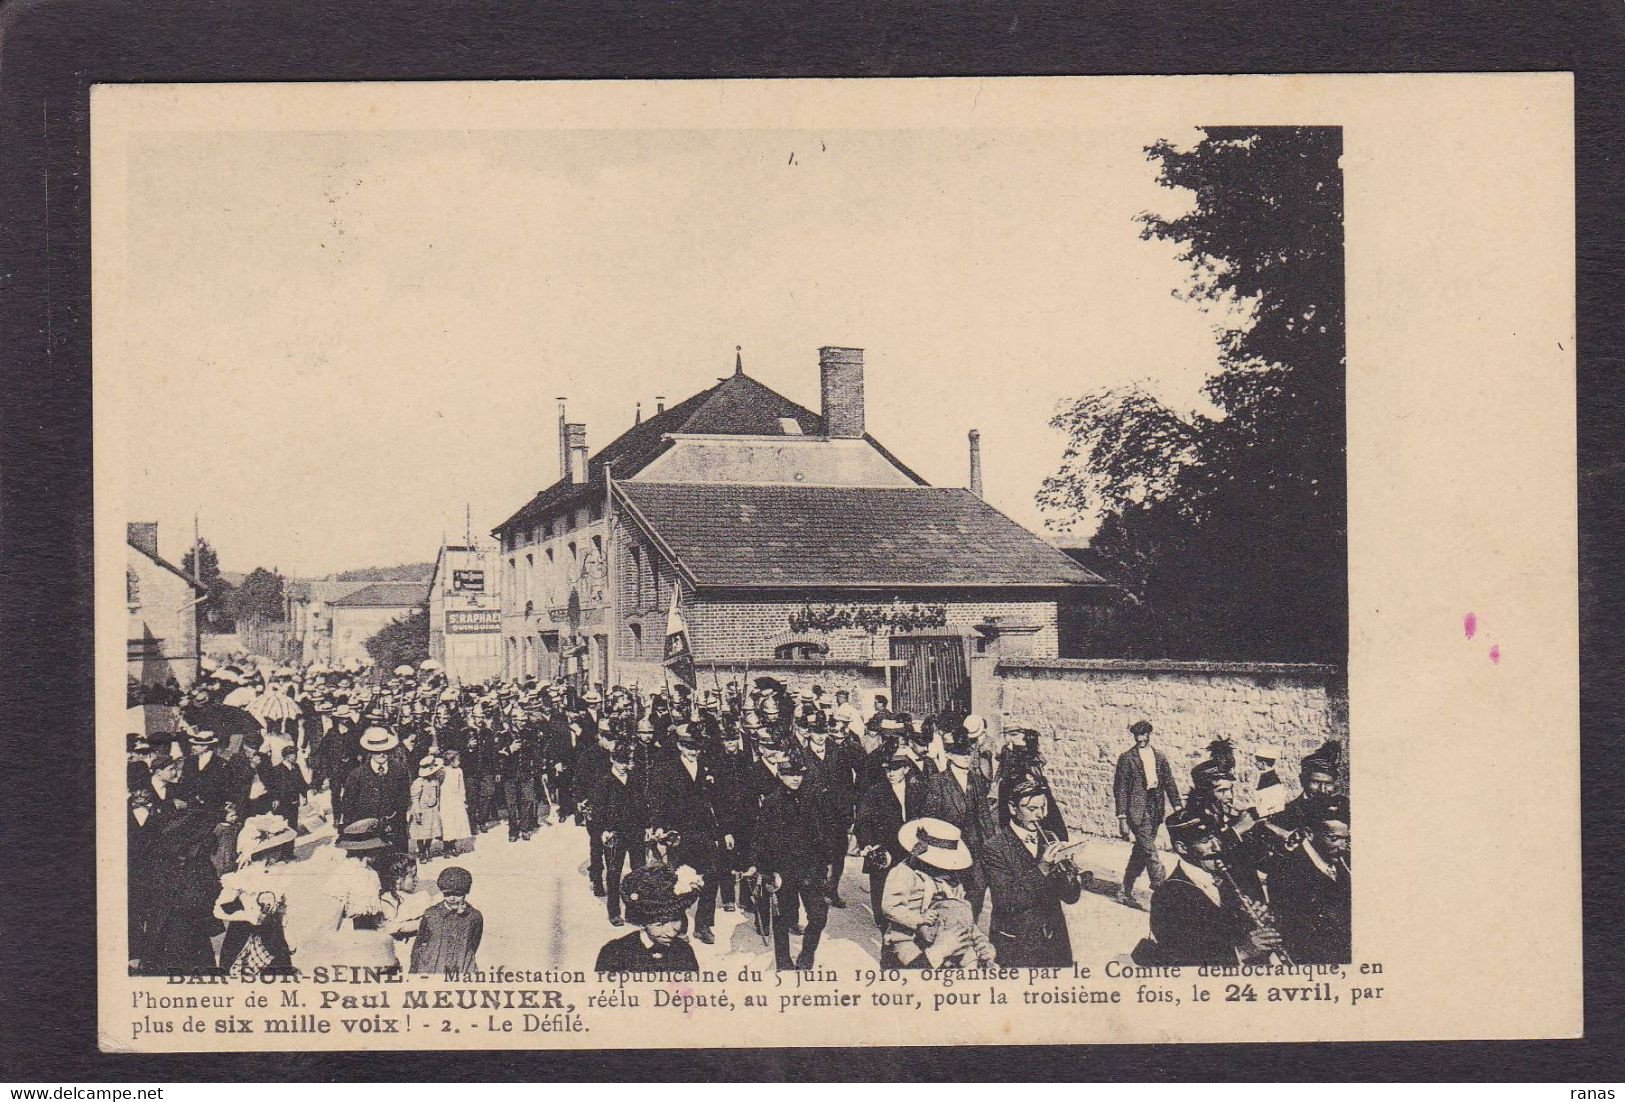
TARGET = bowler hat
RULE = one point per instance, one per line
(973, 725)
(1140, 727)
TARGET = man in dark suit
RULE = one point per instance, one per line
(959, 795)
(1196, 916)
(1310, 893)
(379, 788)
(882, 811)
(683, 792)
(833, 764)
(1144, 789)
(1028, 927)
(618, 818)
(790, 850)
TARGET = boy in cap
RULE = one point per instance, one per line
(656, 902)
(450, 931)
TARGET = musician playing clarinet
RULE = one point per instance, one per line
(1197, 915)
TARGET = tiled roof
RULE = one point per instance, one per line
(386, 595)
(736, 406)
(169, 566)
(732, 534)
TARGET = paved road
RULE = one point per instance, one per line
(540, 911)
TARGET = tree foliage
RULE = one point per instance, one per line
(261, 596)
(1227, 530)
(217, 609)
(403, 640)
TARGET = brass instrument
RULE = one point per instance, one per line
(1258, 913)
(1062, 857)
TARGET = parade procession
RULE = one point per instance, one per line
(329, 816)
(714, 728)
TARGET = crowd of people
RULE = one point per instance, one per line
(296, 836)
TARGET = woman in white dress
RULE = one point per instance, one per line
(454, 825)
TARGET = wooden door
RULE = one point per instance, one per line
(933, 677)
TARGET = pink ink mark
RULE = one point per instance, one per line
(1495, 654)
(1469, 624)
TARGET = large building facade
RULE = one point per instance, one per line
(798, 546)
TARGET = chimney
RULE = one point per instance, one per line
(145, 536)
(840, 376)
(660, 404)
(564, 444)
(976, 462)
(576, 438)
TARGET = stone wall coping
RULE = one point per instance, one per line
(1166, 665)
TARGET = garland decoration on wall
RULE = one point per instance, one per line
(872, 619)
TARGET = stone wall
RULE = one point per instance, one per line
(1082, 709)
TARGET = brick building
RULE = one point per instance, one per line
(801, 547)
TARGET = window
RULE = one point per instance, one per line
(132, 589)
(637, 577)
(572, 550)
(637, 640)
(801, 651)
(530, 577)
(550, 555)
(597, 510)
(598, 544)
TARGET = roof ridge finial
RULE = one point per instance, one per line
(739, 359)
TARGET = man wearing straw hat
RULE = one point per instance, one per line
(379, 788)
(929, 922)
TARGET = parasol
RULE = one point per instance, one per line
(272, 707)
(429, 664)
(403, 670)
(240, 697)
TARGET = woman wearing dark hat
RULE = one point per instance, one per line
(657, 901)
(449, 933)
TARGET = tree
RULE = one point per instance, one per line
(403, 640)
(261, 596)
(217, 608)
(1228, 531)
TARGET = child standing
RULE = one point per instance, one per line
(425, 822)
(450, 931)
(454, 824)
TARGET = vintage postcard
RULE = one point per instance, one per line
(859, 562)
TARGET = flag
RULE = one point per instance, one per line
(679, 658)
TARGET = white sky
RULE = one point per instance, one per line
(342, 338)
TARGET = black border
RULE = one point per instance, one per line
(52, 50)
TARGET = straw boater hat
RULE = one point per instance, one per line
(378, 740)
(936, 842)
(974, 725)
(431, 767)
